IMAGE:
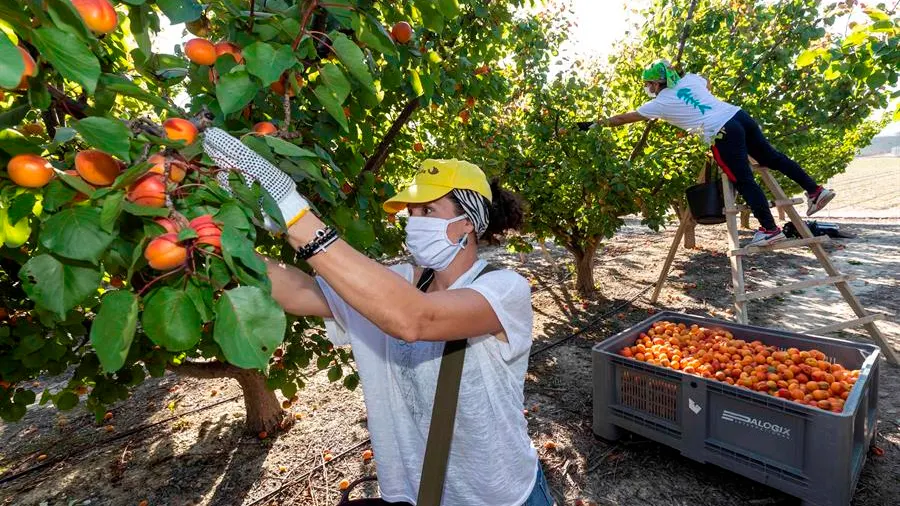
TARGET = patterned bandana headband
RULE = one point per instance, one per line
(661, 70)
(475, 207)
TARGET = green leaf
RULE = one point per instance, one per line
(109, 135)
(332, 105)
(20, 207)
(231, 215)
(807, 57)
(249, 326)
(14, 115)
(285, 148)
(136, 210)
(76, 233)
(171, 319)
(855, 38)
(340, 10)
(239, 254)
(270, 207)
(113, 328)
(56, 286)
(77, 183)
(449, 8)
(201, 294)
(351, 381)
(432, 17)
(336, 82)
(361, 234)
(66, 400)
(66, 17)
(56, 194)
(64, 135)
(335, 373)
(372, 33)
(416, 83)
(112, 207)
(187, 233)
(267, 63)
(180, 11)
(124, 86)
(68, 55)
(11, 64)
(352, 57)
(234, 91)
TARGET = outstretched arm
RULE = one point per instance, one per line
(622, 119)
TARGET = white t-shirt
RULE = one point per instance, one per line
(492, 460)
(690, 106)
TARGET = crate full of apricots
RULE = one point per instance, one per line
(793, 411)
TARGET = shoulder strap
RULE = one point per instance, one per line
(443, 414)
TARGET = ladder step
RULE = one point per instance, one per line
(848, 324)
(794, 286)
(772, 204)
(790, 243)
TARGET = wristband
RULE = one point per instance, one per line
(324, 237)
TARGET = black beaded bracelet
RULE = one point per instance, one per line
(324, 237)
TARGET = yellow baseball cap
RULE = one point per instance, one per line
(437, 178)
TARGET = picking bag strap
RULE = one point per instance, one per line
(443, 415)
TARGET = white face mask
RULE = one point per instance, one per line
(648, 92)
(427, 240)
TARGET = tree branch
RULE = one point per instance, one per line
(381, 152)
(69, 105)
(206, 370)
(252, 15)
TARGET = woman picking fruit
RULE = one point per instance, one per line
(687, 103)
(398, 331)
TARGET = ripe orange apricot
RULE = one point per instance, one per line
(418, 147)
(98, 15)
(225, 47)
(30, 171)
(97, 168)
(402, 32)
(178, 129)
(176, 171)
(164, 253)
(367, 455)
(265, 128)
(282, 87)
(344, 484)
(149, 191)
(30, 69)
(168, 224)
(200, 51)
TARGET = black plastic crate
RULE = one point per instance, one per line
(807, 452)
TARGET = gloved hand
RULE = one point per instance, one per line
(584, 126)
(230, 153)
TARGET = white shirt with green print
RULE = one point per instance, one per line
(691, 107)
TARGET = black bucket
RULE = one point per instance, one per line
(707, 203)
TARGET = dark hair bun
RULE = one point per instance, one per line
(506, 210)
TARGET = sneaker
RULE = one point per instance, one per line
(764, 237)
(818, 200)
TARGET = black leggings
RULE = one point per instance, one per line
(743, 137)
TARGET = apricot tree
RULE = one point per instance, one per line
(122, 255)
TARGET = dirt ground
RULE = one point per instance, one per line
(181, 442)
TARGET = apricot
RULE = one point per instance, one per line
(30, 68)
(30, 171)
(176, 171)
(402, 32)
(164, 253)
(97, 168)
(200, 51)
(178, 129)
(265, 128)
(149, 191)
(98, 15)
(230, 49)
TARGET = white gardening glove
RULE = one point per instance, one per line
(230, 153)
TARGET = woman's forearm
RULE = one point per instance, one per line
(382, 296)
(295, 291)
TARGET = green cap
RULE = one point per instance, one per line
(660, 70)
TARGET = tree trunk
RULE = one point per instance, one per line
(584, 269)
(264, 413)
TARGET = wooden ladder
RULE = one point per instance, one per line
(736, 255)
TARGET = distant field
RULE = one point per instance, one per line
(870, 188)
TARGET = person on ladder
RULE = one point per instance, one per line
(687, 103)
(398, 318)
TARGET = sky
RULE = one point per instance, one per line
(599, 24)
